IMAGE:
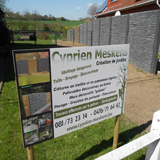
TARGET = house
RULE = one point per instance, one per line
(112, 7)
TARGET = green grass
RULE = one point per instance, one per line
(159, 56)
(26, 80)
(65, 23)
(69, 24)
(31, 44)
(84, 144)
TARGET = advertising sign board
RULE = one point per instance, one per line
(61, 90)
(88, 85)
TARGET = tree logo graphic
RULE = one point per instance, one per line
(122, 78)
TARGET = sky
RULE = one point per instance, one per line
(70, 9)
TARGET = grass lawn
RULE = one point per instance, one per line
(88, 143)
(69, 24)
(26, 80)
(66, 23)
(31, 44)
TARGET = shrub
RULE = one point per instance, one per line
(47, 27)
(25, 26)
(45, 36)
(32, 37)
(58, 32)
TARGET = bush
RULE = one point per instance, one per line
(4, 31)
(32, 37)
(61, 37)
(51, 37)
(45, 36)
(25, 26)
(47, 27)
(58, 32)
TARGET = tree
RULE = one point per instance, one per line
(2, 4)
(93, 8)
(63, 19)
(4, 32)
(122, 78)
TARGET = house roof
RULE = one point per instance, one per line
(102, 7)
(126, 4)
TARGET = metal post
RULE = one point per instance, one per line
(12, 36)
(35, 38)
(55, 36)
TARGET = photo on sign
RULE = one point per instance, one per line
(45, 126)
(32, 71)
(30, 128)
(32, 68)
(35, 99)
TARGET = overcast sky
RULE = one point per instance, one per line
(70, 9)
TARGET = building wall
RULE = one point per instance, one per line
(133, 10)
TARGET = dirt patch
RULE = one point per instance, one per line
(68, 43)
(142, 94)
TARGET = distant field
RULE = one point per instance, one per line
(69, 24)
(66, 23)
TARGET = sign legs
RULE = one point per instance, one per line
(30, 151)
(116, 132)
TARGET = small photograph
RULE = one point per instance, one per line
(32, 68)
(35, 99)
(30, 128)
(45, 126)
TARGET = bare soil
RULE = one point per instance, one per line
(142, 96)
(142, 93)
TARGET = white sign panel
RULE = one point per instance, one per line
(88, 85)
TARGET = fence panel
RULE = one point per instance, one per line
(75, 34)
(118, 29)
(22, 67)
(105, 29)
(96, 32)
(80, 34)
(89, 33)
(42, 64)
(142, 36)
(84, 33)
(36, 101)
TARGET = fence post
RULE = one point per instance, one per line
(30, 151)
(153, 150)
(12, 36)
(55, 36)
(35, 37)
(116, 132)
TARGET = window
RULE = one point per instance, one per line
(113, 1)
